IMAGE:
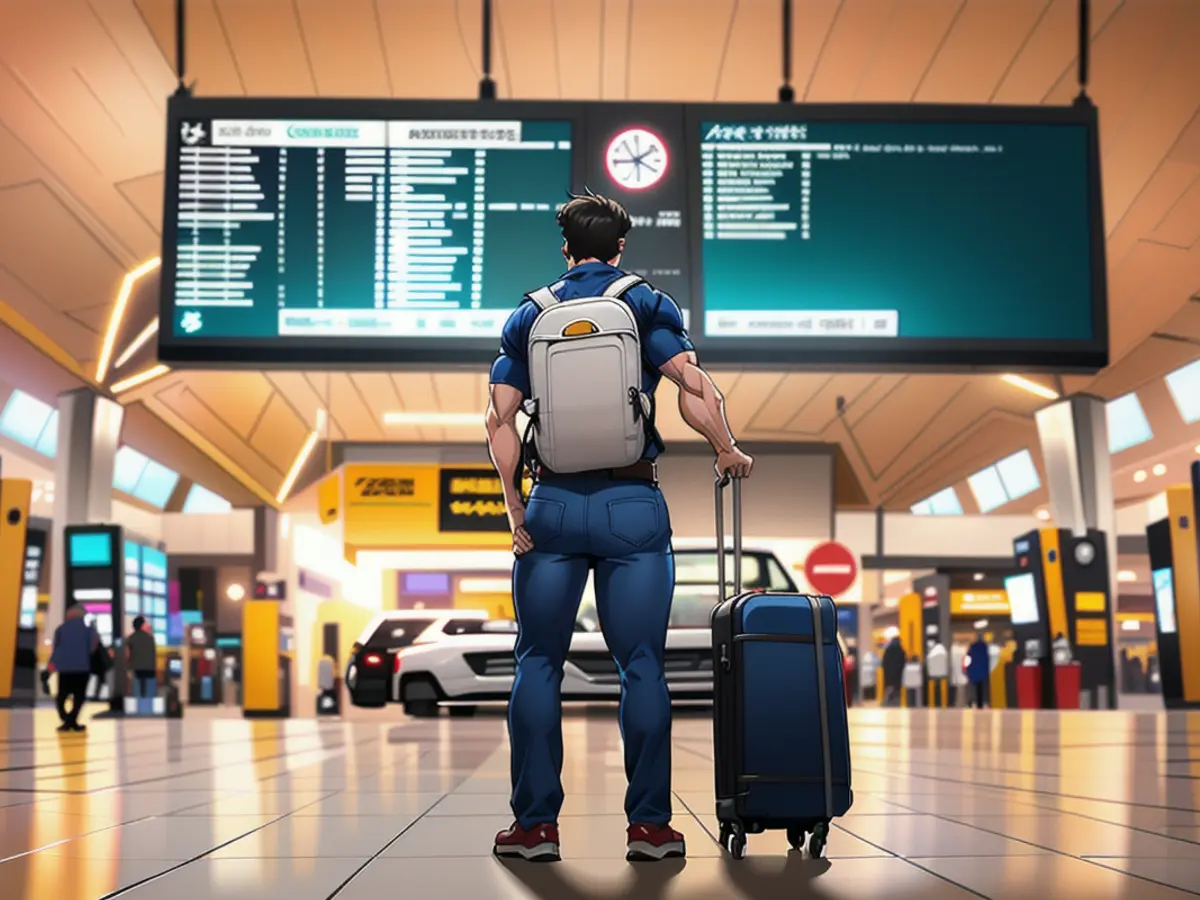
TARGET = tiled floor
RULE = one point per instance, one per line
(949, 804)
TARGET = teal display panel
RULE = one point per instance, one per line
(914, 236)
(318, 231)
(90, 550)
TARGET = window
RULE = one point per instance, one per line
(1127, 424)
(151, 482)
(202, 500)
(943, 503)
(29, 421)
(1184, 385)
(392, 634)
(1010, 479)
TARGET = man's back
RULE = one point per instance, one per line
(142, 652)
(73, 642)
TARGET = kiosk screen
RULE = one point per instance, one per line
(1022, 598)
(1164, 599)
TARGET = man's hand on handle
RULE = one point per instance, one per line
(734, 463)
(522, 542)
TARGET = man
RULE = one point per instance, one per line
(142, 660)
(894, 660)
(611, 521)
(979, 668)
(74, 643)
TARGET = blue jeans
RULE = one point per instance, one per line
(621, 531)
(144, 685)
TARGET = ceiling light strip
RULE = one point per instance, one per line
(1032, 387)
(468, 420)
(143, 377)
(301, 458)
(138, 342)
(118, 314)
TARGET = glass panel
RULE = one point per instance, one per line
(945, 503)
(156, 484)
(1127, 424)
(988, 489)
(128, 468)
(1184, 385)
(202, 500)
(921, 509)
(47, 444)
(396, 633)
(24, 417)
(1018, 474)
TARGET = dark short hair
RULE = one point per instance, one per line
(138, 623)
(593, 226)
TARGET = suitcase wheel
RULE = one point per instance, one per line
(816, 843)
(796, 836)
(733, 840)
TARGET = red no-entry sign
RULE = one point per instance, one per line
(830, 568)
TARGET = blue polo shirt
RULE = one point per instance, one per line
(660, 328)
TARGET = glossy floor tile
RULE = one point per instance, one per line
(949, 804)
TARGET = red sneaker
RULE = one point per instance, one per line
(653, 842)
(538, 844)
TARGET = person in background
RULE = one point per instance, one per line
(913, 679)
(979, 668)
(74, 643)
(142, 660)
(958, 674)
(867, 665)
(937, 667)
(893, 672)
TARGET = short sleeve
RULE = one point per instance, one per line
(663, 336)
(511, 366)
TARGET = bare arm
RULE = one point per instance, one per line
(504, 445)
(700, 402)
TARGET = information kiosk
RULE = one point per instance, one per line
(1174, 556)
(18, 645)
(95, 578)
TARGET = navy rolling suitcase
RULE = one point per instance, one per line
(780, 730)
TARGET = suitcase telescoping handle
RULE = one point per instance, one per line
(723, 481)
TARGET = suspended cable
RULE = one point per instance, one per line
(487, 87)
(1085, 46)
(786, 93)
(181, 89)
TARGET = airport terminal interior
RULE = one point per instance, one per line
(940, 258)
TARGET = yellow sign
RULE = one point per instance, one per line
(1090, 601)
(389, 506)
(1091, 632)
(970, 603)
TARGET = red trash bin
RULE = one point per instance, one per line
(1066, 685)
(1029, 687)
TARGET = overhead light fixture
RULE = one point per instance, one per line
(1127, 575)
(138, 342)
(1159, 469)
(142, 377)
(1131, 625)
(1043, 514)
(1032, 387)
(981, 624)
(890, 577)
(485, 585)
(1139, 476)
(1198, 448)
(118, 314)
(235, 592)
(444, 419)
(306, 450)
(979, 576)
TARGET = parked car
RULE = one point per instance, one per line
(478, 667)
(372, 667)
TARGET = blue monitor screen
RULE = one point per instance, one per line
(154, 563)
(1164, 599)
(900, 230)
(91, 549)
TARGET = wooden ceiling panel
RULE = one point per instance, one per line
(350, 408)
(305, 396)
(1187, 148)
(459, 392)
(210, 60)
(378, 392)
(819, 413)
(914, 36)
(240, 397)
(749, 72)
(534, 51)
(278, 67)
(996, 437)
(1155, 202)
(431, 52)
(979, 49)
(1153, 283)
(747, 395)
(30, 212)
(1185, 323)
(859, 30)
(872, 395)
(345, 48)
(145, 195)
(279, 434)
(176, 401)
(663, 67)
(786, 399)
(1181, 226)
(1147, 362)
(913, 407)
(1048, 56)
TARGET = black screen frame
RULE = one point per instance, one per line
(793, 354)
(331, 352)
(909, 354)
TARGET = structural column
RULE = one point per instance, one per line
(89, 432)
(1073, 434)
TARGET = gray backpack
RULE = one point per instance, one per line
(587, 410)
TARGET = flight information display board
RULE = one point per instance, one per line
(903, 240)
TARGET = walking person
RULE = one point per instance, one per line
(75, 641)
(894, 660)
(142, 661)
(583, 358)
(979, 669)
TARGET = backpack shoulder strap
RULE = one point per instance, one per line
(544, 298)
(622, 286)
